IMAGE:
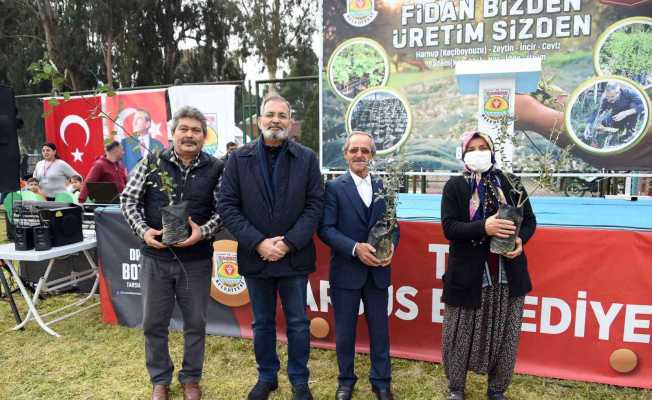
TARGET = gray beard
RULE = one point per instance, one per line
(275, 135)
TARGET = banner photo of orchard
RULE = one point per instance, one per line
(389, 69)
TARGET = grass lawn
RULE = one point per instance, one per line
(96, 361)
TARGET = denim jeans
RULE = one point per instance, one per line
(162, 283)
(292, 290)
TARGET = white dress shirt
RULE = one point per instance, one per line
(364, 187)
(365, 191)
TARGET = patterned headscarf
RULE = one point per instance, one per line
(486, 193)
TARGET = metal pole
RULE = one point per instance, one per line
(10, 297)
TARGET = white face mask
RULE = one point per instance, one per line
(478, 160)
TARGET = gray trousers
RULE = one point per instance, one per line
(163, 282)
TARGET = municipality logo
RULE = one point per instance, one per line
(360, 13)
(226, 279)
(227, 285)
(496, 103)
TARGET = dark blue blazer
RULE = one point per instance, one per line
(251, 216)
(345, 222)
(131, 147)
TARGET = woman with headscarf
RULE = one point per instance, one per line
(52, 172)
(483, 292)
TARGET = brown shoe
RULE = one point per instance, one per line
(191, 391)
(160, 392)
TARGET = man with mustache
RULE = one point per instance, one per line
(351, 208)
(271, 200)
(181, 272)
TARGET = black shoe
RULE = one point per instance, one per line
(262, 390)
(455, 395)
(496, 396)
(301, 392)
(344, 393)
(383, 394)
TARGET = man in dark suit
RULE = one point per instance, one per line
(139, 143)
(271, 200)
(350, 211)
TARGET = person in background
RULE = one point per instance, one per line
(230, 148)
(107, 168)
(484, 292)
(74, 184)
(52, 172)
(34, 187)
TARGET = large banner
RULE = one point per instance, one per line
(217, 103)
(589, 313)
(140, 122)
(75, 127)
(389, 69)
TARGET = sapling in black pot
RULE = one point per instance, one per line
(174, 215)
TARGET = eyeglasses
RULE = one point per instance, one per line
(185, 129)
(279, 115)
(363, 150)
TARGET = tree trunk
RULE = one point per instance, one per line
(48, 20)
(108, 58)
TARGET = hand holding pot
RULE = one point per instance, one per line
(195, 235)
(517, 250)
(268, 250)
(388, 260)
(502, 228)
(150, 238)
(365, 253)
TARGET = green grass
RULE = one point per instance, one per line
(96, 361)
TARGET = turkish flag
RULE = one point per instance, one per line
(75, 127)
(122, 106)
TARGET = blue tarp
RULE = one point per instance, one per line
(589, 212)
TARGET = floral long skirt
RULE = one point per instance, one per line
(483, 340)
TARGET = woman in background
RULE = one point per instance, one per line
(52, 172)
(483, 292)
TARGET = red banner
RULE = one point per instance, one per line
(591, 297)
(75, 127)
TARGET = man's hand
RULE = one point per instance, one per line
(501, 228)
(517, 250)
(149, 238)
(388, 260)
(365, 253)
(281, 245)
(268, 250)
(623, 114)
(195, 235)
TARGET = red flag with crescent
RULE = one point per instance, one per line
(75, 127)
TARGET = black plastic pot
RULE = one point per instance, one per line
(380, 237)
(505, 245)
(175, 223)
